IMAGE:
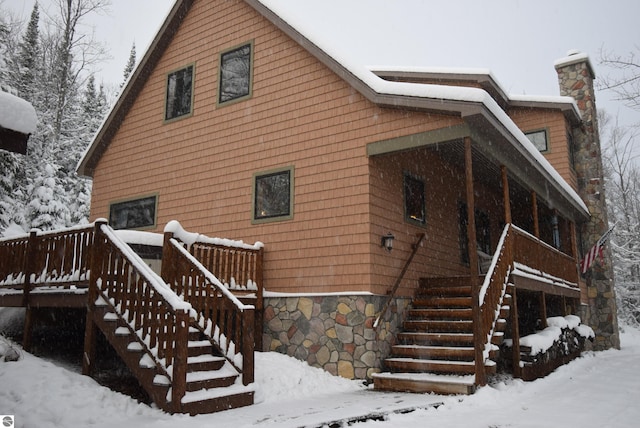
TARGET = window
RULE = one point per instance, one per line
(414, 210)
(483, 232)
(273, 195)
(571, 147)
(134, 213)
(235, 80)
(179, 97)
(539, 139)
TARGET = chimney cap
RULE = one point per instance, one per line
(575, 56)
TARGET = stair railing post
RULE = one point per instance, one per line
(33, 249)
(179, 381)
(248, 346)
(95, 261)
(167, 271)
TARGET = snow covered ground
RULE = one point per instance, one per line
(597, 390)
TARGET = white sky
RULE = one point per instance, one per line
(518, 40)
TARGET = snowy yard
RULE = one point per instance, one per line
(597, 390)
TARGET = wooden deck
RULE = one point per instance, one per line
(156, 324)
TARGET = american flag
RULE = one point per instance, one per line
(596, 250)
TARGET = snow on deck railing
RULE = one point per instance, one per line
(191, 238)
(153, 278)
(56, 257)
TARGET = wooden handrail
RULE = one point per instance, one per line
(154, 316)
(392, 294)
(516, 246)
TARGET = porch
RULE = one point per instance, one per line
(500, 289)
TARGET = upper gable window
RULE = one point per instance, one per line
(235, 77)
(179, 96)
(539, 139)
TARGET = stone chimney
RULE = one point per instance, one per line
(575, 77)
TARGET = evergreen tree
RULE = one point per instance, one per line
(131, 64)
(28, 58)
(42, 189)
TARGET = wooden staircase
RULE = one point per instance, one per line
(435, 350)
(212, 383)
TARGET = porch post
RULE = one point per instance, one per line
(478, 342)
(534, 208)
(543, 310)
(505, 195)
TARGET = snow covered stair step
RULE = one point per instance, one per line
(205, 362)
(423, 365)
(424, 383)
(223, 377)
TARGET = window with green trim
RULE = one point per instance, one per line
(273, 195)
(235, 76)
(136, 213)
(539, 139)
(179, 93)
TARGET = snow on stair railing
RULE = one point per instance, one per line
(493, 289)
(157, 317)
(218, 312)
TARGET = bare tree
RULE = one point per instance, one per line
(622, 176)
(625, 81)
(75, 52)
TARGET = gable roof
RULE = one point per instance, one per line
(477, 106)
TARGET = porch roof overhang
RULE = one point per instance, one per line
(492, 148)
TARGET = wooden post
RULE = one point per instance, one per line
(505, 195)
(515, 334)
(95, 272)
(165, 267)
(179, 381)
(29, 269)
(259, 312)
(478, 340)
(543, 310)
(247, 346)
(534, 209)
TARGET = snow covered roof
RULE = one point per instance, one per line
(475, 105)
(17, 114)
(18, 119)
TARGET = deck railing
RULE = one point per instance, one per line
(516, 246)
(47, 258)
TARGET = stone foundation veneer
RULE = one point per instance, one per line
(333, 332)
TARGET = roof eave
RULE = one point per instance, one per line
(86, 166)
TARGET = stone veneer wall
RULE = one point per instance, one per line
(576, 76)
(333, 332)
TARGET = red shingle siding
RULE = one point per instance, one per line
(556, 125)
(303, 115)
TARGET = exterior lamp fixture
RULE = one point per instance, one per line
(387, 241)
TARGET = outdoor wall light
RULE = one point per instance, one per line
(387, 241)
